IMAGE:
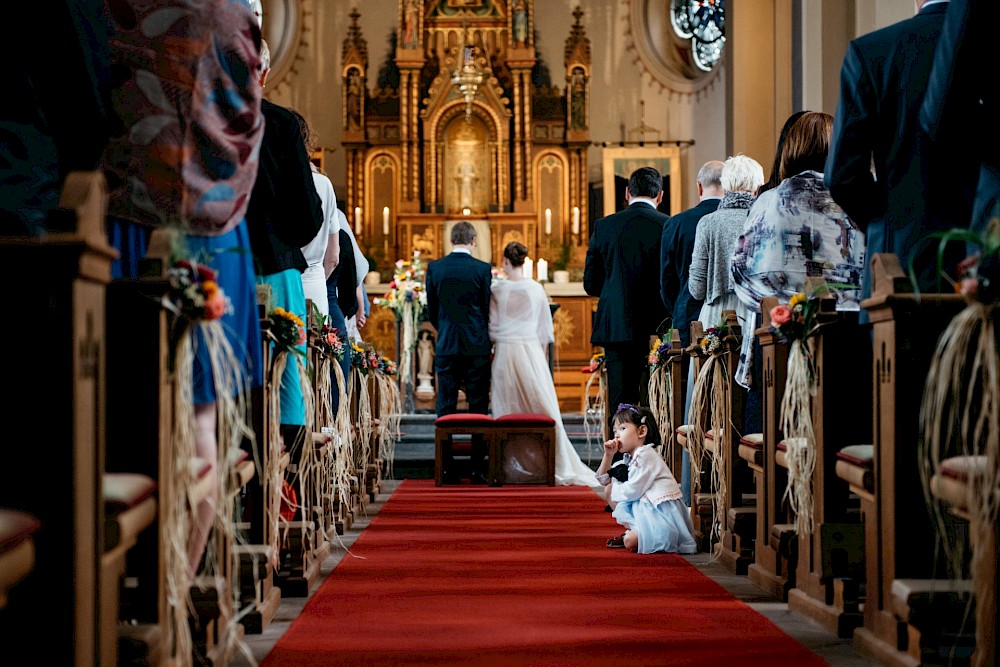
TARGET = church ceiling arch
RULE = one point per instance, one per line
(662, 53)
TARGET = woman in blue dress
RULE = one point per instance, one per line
(645, 497)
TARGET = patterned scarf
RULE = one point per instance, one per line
(737, 200)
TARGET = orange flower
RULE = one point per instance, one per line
(781, 315)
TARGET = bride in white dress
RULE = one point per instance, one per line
(521, 327)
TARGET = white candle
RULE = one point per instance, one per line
(543, 270)
(528, 267)
(548, 222)
(576, 220)
(357, 221)
(385, 221)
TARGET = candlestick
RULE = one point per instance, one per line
(528, 268)
(357, 221)
(385, 221)
(576, 220)
(543, 270)
(548, 222)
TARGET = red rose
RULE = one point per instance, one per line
(781, 315)
(215, 307)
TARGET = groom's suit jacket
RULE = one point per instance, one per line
(458, 304)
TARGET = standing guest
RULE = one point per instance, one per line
(623, 270)
(677, 245)
(918, 187)
(775, 177)
(796, 231)
(285, 213)
(176, 175)
(458, 306)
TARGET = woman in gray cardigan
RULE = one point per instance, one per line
(710, 278)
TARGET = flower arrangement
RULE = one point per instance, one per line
(596, 361)
(658, 353)
(711, 340)
(406, 287)
(195, 294)
(331, 341)
(979, 274)
(287, 329)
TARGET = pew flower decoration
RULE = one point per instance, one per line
(960, 416)
(331, 341)
(596, 361)
(387, 366)
(287, 329)
(407, 298)
(365, 358)
(711, 340)
(658, 352)
(195, 294)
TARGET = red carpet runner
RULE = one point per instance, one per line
(519, 576)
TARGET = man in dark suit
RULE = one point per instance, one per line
(677, 246)
(961, 105)
(458, 305)
(918, 187)
(623, 269)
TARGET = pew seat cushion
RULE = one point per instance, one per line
(856, 476)
(859, 455)
(951, 483)
(123, 490)
(961, 468)
(15, 528)
(525, 420)
(683, 431)
(755, 440)
(929, 602)
(781, 456)
(464, 419)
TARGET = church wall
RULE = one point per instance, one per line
(618, 82)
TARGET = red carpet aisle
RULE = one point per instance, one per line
(519, 576)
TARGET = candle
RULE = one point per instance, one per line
(357, 221)
(385, 221)
(543, 270)
(576, 220)
(528, 267)
(548, 222)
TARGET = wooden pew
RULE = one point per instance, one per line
(57, 290)
(831, 558)
(775, 557)
(898, 542)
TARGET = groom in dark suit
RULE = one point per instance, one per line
(623, 269)
(458, 305)
(918, 186)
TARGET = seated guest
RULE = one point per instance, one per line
(797, 231)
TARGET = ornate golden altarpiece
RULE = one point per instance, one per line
(460, 123)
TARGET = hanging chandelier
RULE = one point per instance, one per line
(468, 75)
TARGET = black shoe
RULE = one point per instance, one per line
(607, 508)
(617, 542)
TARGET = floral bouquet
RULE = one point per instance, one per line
(658, 353)
(287, 329)
(596, 361)
(331, 341)
(387, 366)
(194, 293)
(365, 358)
(406, 287)
(711, 340)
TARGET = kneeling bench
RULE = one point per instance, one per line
(521, 447)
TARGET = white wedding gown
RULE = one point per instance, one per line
(521, 325)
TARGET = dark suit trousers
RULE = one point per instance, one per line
(628, 375)
(474, 372)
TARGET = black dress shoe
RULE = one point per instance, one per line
(607, 508)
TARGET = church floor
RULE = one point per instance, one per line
(836, 652)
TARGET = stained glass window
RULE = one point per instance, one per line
(704, 23)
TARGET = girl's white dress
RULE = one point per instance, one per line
(521, 326)
(650, 503)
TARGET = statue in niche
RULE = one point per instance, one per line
(466, 178)
(425, 365)
(520, 22)
(353, 100)
(410, 24)
(578, 101)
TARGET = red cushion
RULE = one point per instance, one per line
(959, 467)
(464, 419)
(123, 490)
(859, 455)
(525, 419)
(755, 440)
(15, 527)
(782, 446)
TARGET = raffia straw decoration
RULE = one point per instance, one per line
(176, 528)
(323, 470)
(363, 443)
(796, 424)
(595, 416)
(962, 401)
(233, 425)
(272, 481)
(342, 437)
(389, 410)
(659, 390)
(700, 397)
(721, 463)
(306, 470)
(410, 322)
